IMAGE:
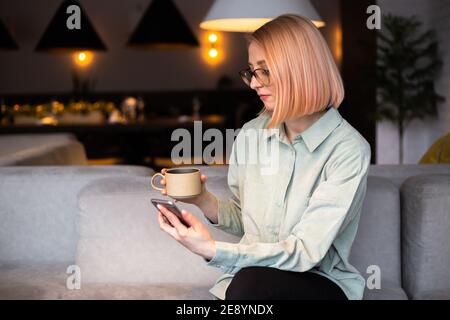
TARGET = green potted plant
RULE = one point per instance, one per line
(408, 63)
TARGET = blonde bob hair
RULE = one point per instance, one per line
(302, 70)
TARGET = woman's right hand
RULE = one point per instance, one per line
(194, 200)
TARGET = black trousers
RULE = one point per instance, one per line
(262, 283)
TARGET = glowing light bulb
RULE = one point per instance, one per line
(212, 38)
(213, 53)
(83, 58)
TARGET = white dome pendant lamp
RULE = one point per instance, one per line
(249, 15)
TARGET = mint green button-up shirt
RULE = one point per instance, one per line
(304, 215)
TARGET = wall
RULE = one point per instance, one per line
(441, 21)
(120, 68)
(420, 134)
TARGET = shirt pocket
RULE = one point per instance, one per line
(256, 205)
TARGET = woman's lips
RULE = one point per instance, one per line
(264, 97)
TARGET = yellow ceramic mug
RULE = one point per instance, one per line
(181, 183)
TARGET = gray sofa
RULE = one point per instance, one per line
(112, 235)
(38, 230)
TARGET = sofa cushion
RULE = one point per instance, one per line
(388, 291)
(442, 294)
(377, 241)
(41, 149)
(38, 206)
(425, 234)
(121, 241)
(48, 281)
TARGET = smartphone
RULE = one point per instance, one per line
(169, 205)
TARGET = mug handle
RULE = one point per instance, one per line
(153, 185)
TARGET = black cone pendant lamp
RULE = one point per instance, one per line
(162, 27)
(6, 41)
(59, 38)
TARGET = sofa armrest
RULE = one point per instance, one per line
(41, 149)
(38, 207)
(426, 234)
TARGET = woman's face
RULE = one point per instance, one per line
(257, 60)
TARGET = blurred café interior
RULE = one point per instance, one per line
(138, 70)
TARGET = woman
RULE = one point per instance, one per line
(298, 223)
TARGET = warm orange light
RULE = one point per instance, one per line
(241, 24)
(213, 44)
(212, 38)
(83, 58)
(338, 46)
(213, 53)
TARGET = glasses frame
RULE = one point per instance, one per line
(254, 74)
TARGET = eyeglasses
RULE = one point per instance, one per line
(262, 75)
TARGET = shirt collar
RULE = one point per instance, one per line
(317, 132)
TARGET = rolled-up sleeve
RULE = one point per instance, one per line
(334, 203)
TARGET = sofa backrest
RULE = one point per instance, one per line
(377, 242)
(121, 242)
(38, 207)
(396, 173)
(399, 173)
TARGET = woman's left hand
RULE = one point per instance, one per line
(196, 238)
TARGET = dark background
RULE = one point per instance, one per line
(169, 80)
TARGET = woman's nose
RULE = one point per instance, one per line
(254, 83)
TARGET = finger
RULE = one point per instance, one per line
(191, 219)
(163, 181)
(163, 171)
(164, 192)
(166, 221)
(163, 222)
(167, 227)
(173, 219)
